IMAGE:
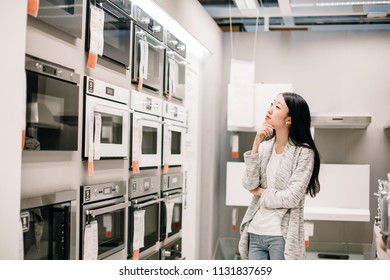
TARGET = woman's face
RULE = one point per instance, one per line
(277, 113)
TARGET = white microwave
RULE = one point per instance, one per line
(146, 129)
(106, 120)
(174, 131)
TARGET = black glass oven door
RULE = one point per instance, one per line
(51, 114)
(116, 33)
(171, 212)
(155, 60)
(65, 15)
(151, 220)
(48, 234)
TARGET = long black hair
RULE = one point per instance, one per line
(300, 134)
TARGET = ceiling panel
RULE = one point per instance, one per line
(293, 14)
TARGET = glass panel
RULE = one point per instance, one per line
(151, 225)
(176, 143)
(149, 140)
(110, 230)
(111, 129)
(66, 5)
(48, 237)
(51, 114)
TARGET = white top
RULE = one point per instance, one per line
(267, 221)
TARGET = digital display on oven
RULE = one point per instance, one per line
(147, 183)
(110, 91)
(49, 70)
(107, 190)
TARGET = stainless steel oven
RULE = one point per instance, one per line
(144, 215)
(65, 15)
(148, 52)
(102, 219)
(172, 206)
(174, 130)
(106, 120)
(117, 29)
(172, 251)
(52, 116)
(146, 131)
(49, 226)
(175, 68)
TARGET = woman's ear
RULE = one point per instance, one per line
(288, 121)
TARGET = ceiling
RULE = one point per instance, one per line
(271, 15)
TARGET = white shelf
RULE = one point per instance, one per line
(336, 214)
(337, 121)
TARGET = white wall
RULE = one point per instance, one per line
(12, 77)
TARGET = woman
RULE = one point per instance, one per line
(281, 168)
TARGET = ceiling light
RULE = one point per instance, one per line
(351, 3)
(377, 14)
(246, 4)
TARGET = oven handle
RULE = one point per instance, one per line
(144, 36)
(177, 58)
(142, 205)
(97, 212)
(152, 120)
(114, 107)
(177, 125)
(116, 8)
(168, 196)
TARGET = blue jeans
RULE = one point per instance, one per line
(266, 247)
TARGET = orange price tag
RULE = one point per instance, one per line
(23, 138)
(234, 154)
(135, 167)
(90, 168)
(140, 83)
(108, 234)
(234, 227)
(92, 60)
(33, 7)
(165, 168)
(169, 95)
(135, 255)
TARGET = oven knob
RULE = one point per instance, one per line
(174, 42)
(156, 28)
(116, 188)
(38, 66)
(96, 192)
(59, 73)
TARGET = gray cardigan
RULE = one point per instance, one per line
(288, 196)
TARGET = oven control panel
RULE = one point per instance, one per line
(173, 111)
(143, 186)
(171, 181)
(145, 103)
(93, 193)
(148, 23)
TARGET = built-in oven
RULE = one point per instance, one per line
(148, 52)
(52, 106)
(144, 215)
(117, 29)
(174, 130)
(106, 120)
(172, 251)
(146, 134)
(65, 15)
(102, 219)
(49, 226)
(175, 68)
(172, 205)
